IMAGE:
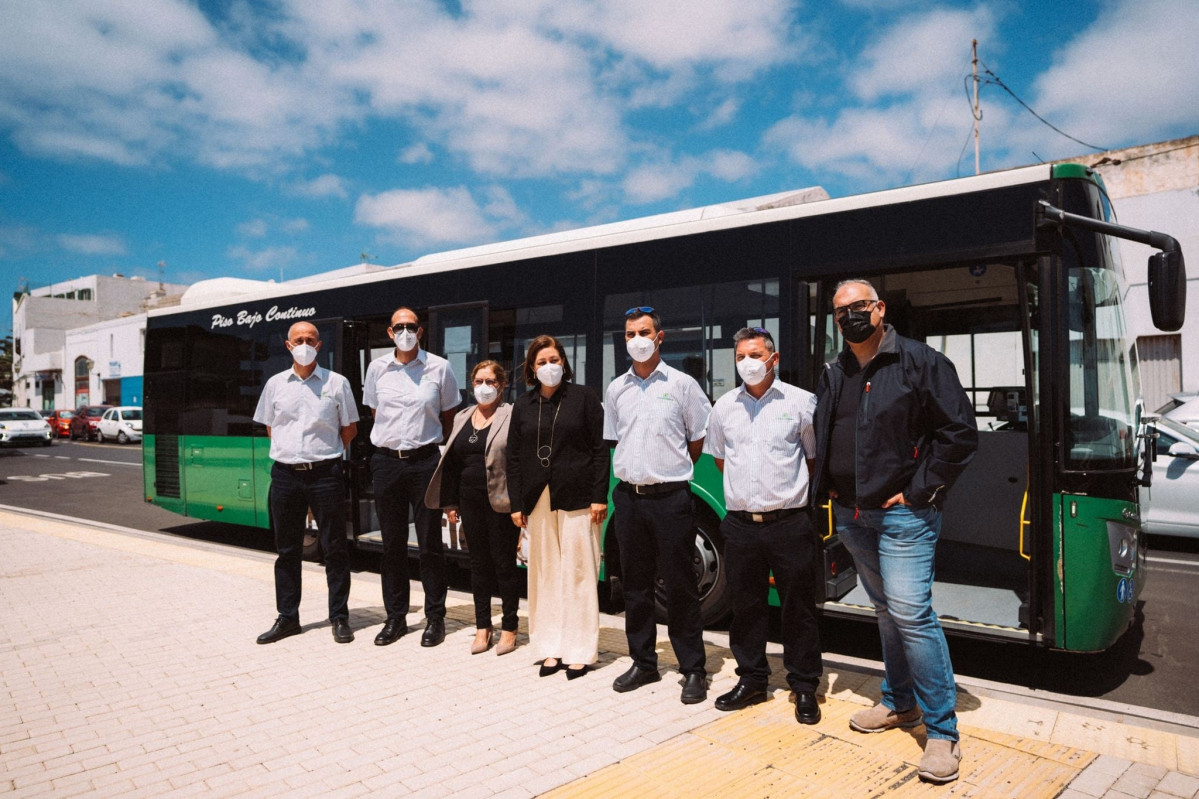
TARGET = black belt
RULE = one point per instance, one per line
(656, 488)
(764, 517)
(417, 454)
(309, 467)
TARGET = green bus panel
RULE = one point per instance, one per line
(1094, 600)
(149, 478)
(223, 479)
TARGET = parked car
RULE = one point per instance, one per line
(60, 422)
(85, 420)
(1169, 507)
(123, 423)
(1182, 408)
(24, 426)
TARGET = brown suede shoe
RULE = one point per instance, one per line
(482, 641)
(940, 762)
(507, 642)
(881, 718)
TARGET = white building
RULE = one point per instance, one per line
(1156, 187)
(104, 362)
(41, 319)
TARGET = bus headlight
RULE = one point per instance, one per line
(1122, 542)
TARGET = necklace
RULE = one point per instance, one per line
(543, 453)
(474, 433)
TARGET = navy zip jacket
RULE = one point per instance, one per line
(915, 431)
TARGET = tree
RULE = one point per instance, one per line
(6, 369)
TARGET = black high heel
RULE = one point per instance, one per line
(546, 671)
(573, 674)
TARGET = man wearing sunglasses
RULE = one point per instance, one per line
(656, 415)
(895, 430)
(412, 394)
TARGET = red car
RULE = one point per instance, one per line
(86, 420)
(60, 422)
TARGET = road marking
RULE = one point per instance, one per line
(115, 463)
(41, 478)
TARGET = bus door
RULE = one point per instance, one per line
(356, 355)
(459, 334)
(983, 317)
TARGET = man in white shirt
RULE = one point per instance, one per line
(412, 394)
(311, 417)
(656, 415)
(762, 438)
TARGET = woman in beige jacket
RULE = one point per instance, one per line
(471, 485)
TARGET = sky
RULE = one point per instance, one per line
(276, 140)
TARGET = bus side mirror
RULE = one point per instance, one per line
(1180, 449)
(1167, 290)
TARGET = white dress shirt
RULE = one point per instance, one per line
(306, 415)
(652, 420)
(764, 444)
(409, 399)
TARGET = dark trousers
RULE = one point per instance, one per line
(399, 487)
(491, 538)
(657, 541)
(752, 552)
(292, 494)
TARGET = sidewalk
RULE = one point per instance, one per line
(128, 667)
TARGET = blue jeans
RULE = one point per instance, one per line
(894, 550)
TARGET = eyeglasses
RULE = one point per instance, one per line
(856, 307)
(486, 381)
(411, 326)
(640, 309)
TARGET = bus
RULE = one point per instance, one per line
(1013, 275)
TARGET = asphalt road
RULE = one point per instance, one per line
(1152, 666)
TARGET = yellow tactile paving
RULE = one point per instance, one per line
(762, 752)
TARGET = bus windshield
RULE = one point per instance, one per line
(1101, 433)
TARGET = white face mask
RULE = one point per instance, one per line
(485, 394)
(752, 370)
(550, 374)
(406, 341)
(641, 348)
(303, 354)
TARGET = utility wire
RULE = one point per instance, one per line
(998, 82)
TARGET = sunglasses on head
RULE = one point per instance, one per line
(640, 309)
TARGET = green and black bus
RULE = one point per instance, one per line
(1013, 275)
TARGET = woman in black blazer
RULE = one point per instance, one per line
(471, 484)
(558, 485)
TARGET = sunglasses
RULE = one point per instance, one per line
(410, 326)
(640, 309)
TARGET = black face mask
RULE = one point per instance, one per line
(856, 327)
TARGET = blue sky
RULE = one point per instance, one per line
(281, 139)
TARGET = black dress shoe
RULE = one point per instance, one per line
(695, 688)
(281, 629)
(391, 632)
(807, 711)
(434, 633)
(546, 671)
(342, 633)
(740, 697)
(634, 678)
(574, 674)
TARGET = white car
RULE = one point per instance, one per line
(1169, 506)
(123, 423)
(24, 426)
(1182, 408)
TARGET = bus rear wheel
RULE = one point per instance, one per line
(707, 561)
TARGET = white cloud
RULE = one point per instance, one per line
(660, 181)
(297, 225)
(428, 216)
(327, 185)
(254, 229)
(264, 259)
(418, 153)
(1129, 78)
(921, 54)
(92, 244)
